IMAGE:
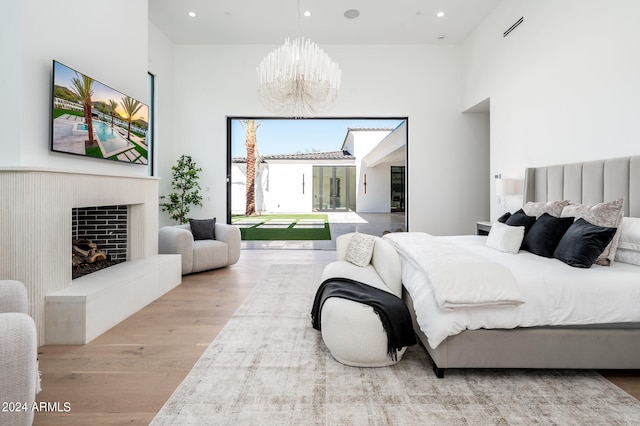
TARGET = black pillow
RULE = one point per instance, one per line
(545, 234)
(582, 243)
(520, 218)
(504, 217)
(203, 229)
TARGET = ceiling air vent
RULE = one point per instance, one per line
(513, 27)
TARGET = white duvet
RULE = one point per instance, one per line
(459, 277)
(554, 294)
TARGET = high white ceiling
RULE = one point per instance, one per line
(271, 21)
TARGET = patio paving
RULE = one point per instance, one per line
(277, 223)
(268, 225)
(308, 225)
(247, 223)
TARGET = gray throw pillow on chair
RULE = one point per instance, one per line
(203, 229)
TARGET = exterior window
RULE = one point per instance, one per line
(151, 93)
(397, 188)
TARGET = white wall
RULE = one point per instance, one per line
(421, 82)
(282, 186)
(564, 85)
(161, 64)
(377, 199)
(238, 188)
(10, 107)
(105, 40)
(284, 191)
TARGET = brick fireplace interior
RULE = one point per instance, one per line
(104, 226)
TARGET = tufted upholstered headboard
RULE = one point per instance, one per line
(587, 183)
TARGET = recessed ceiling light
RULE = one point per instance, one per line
(192, 14)
(307, 13)
(440, 14)
(351, 14)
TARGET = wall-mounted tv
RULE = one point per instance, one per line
(93, 120)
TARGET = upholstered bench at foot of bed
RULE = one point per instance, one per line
(354, 334)
(352, 331)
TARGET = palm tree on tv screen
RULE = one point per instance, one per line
(82, 87)
(131, 107)
(112, 109)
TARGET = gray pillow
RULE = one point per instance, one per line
(203, 229)
(554, 208)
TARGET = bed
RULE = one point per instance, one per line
(608, 339)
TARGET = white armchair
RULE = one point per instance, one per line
(19, 381)
(201, 255)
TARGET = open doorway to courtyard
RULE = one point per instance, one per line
(314, 179)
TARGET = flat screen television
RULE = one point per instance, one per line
(91, 119)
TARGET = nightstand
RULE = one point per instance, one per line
(483, 228)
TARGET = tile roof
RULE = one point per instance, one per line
(331, 155)
(372, 129)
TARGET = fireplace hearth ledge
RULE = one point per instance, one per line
(97, 302)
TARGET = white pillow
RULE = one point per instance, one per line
(628, 256)
(360, 249)
(505, 238)
(630, 234)
(629, 243)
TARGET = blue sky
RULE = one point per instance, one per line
(289, 136)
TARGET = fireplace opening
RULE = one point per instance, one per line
(99, 238)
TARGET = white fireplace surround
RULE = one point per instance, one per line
(35, 248)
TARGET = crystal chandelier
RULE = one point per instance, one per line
(298, 79)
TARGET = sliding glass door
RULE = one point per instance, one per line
(334, 188)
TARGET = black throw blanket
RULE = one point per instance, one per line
(393, 313)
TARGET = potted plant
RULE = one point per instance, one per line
(186, 190)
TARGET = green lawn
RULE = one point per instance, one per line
(283, 227)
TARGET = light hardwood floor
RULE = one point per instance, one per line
(127, 374)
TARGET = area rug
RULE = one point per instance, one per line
(269, 366)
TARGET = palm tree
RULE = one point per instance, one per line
(250, 142)
(82, 88)
(112, 109)
(131, 107)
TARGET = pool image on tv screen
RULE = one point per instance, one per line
(94, 120)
